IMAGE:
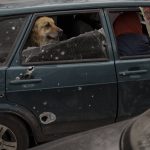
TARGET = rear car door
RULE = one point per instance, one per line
(133, 71)
(67, 93)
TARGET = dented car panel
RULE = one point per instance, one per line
(74, 96)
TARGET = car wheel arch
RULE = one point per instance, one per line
(32, 124)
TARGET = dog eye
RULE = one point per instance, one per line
(47, 25)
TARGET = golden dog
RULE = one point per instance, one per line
(44, 32)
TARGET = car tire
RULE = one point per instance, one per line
(13, 133)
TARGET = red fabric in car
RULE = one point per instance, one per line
(128, 22)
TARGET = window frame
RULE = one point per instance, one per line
(15, 45)
(36, 15)
(108, 11)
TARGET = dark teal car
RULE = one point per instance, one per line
(80, 81)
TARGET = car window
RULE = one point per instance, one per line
(131, 31)
(66, 38)
(9, 30)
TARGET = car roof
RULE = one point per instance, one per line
(32, 6)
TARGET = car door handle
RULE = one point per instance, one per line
(25, 81)
(133, 72)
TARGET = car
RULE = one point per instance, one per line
(53, 84)
(131, 134)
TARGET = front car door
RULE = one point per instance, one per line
(72, 90)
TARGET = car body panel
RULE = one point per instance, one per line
(134, 96)
(68, 96)
(133, 89)
(25, 115)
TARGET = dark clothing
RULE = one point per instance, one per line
(133, 44)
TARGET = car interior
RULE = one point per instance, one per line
(122, 44)
(81, 40)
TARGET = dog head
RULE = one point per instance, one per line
(45, 31)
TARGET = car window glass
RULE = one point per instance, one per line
(65, 38)
(9, 29)
(131, 30)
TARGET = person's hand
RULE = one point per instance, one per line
(146, 11)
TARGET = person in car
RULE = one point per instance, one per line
(130, 38)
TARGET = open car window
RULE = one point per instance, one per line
(132, 32)
(66, 38)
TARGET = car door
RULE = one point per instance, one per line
(67, 95)
(133, 74)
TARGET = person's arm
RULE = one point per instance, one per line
(146, 14)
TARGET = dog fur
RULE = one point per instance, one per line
(44, 32)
